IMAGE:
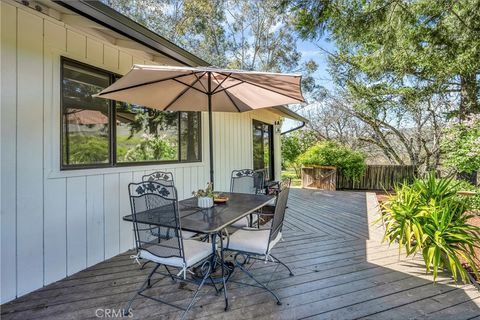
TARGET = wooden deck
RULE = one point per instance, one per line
(342, 271)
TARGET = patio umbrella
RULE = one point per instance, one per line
(172, 88)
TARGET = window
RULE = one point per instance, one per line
(263, 148)
(102, 133)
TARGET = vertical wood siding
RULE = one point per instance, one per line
(8, 153)
(53, 223)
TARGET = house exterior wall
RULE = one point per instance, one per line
(55, 223)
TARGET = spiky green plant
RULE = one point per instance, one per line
(448, 236)
(426, 217)
(403, 219)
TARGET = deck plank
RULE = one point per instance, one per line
(342, 271)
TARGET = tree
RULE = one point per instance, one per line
(243, 34)
(411, 50)
(461, 145)
(397, 134)
(196, 25)
(293, 145)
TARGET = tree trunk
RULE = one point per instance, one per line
(468, 95)
(468, 104)
(190, 140)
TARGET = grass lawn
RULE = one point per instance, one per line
(290, 173)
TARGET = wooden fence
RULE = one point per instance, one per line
(319, 177)
(377, 177)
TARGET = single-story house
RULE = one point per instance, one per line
(67, 158)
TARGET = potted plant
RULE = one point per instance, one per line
(204, 197)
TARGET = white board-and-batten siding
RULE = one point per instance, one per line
(55, 223)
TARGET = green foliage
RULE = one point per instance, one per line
(472, 201)
(461, 145)
(207, 192)
(427, 217)
(151, 148)
(295, 181)
(293, 145)
(87, 149)
(330, 153)
(398, 53)
(242, 34)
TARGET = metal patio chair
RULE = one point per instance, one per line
(157, 203)
(247, 181)
(166, 178)
(258, 243)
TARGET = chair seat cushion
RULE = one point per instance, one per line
(244, 222)
(253, 241)
(195, 251)
(188, 234)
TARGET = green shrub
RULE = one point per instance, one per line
(473, 201)
(293, 145)
(461, 145)
(330, 153)
(151, 148)
(87, 149)
(428, 217)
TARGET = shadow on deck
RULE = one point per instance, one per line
(342, 271)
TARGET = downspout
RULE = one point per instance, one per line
(293, 129)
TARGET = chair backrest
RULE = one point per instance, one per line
(280, 208)
(246, 181)
(164, 177)
(159, 203)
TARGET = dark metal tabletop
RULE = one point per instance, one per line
(210, 220)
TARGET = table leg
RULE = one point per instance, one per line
(222, 258)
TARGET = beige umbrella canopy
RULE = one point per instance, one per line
(171, 88)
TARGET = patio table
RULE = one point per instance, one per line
(210, 221)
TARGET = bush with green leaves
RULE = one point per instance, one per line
(331, 153)
(461, 145)
(293, 145)
(86, 149)
(151, 148)
(473, 201)
(427, 217)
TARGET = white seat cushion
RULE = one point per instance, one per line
(244, 222)
(254, 241)
(194, 250)
(187, 234)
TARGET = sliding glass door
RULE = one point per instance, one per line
(263, 148)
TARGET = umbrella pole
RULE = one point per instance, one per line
(210, 124)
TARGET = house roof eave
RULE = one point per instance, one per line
(114, 20)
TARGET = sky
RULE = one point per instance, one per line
(310, 50)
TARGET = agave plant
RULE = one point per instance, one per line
(426, 217)
(403, 215)
(448, 236)
(435, 189)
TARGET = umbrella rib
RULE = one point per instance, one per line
(200, 81)
(234, 104)
(189, 86)
(183, 91)
(233, 85)
(259, 86)
(218, 86)
(145, 84)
